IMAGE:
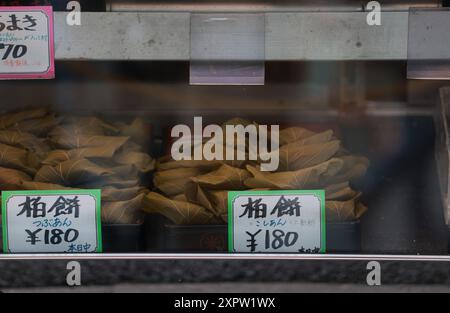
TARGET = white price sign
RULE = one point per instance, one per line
(26, 43)
(51, 221)
(277, 221)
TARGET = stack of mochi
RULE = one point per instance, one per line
(40, 151)
(196, 192)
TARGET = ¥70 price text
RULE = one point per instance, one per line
(12, 51)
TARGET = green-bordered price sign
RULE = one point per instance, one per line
(57, 221)
(277, 221)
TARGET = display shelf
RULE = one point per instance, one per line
(253, 257)
(293, 36)
(263, 5)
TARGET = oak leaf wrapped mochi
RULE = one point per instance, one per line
(354, 167)
(86, 132)
(109, 193)
(34, 145)
(11, 119)
(122, 212)
(307, 178)
(88, 125)
(214, 201)
(21, 152)
(71, 172)
(34, 185)
(297, 156)
(141, 161)
(64, 141)
(294, 134)
(11, 179)
(111, 162)
(40, 126)
(166, 163)
(308, 160)
(180, 212)
(226, 177)
(196, 194)
(181, 197)
(173, 182)
(341, 211)
(15, 158)
(113, 181)
(137, 131)
(88, 153)
(340, 192)
(113, 194)
(56, 157)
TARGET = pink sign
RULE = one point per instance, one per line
(27, 48)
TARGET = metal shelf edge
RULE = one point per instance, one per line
(290, 36)
(230, 257)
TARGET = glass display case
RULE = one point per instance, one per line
(178, 110)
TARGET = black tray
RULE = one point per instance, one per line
(117, 238)
(123, 238)
(341, 238)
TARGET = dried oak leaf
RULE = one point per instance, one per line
(91, 125)
(25, 141)
(112, 194)
(345, 211)
(83, 141)
(180, 197)
(302, 179)
(215, 201)
(101, 152)
(224, 178)
(71, 172)
(11, 119)
(76, 136)
(34, 185)
(294, 134)
(113, 181)
(179, 212)
(219, 200)
(142, 161)
(354, 167)
(315, 139)
(173, 182)
(11, 179)
(340, 192)
(138, 131)
(39, 127)
(166, 163)
(122, 171)
(294, 157)
(195, 194)
(122, 212)
(15, 158)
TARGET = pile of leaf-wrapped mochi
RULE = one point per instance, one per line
(196, 192)
(23, 145)
(86, 153)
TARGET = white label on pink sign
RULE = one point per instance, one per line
(27, 43)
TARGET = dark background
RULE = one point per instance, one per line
(16, 274)
(59, 5)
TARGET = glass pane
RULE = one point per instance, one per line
(175, 115)
(108, 125)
